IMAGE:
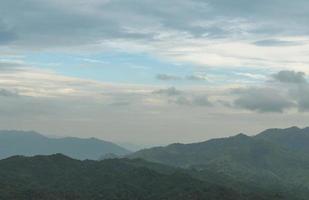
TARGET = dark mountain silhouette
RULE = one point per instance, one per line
(31, 143)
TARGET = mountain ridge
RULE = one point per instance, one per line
(57, 177)
(30, 143)
(262, 160)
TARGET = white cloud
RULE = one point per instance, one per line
(213, 34)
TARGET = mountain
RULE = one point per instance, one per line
(240, 148)
(31, 143)
(58, 177)
(234, 168)
(293, 138)
(267, 161)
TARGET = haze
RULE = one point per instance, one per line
(153, 72)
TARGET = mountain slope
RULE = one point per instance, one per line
(59, 177)
(240, 148)
(251, 161)
(293, 138)
(32, 143)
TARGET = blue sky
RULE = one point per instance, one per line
(153, 71)
(111, 67)
(138, 68)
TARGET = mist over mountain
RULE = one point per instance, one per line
(32, 143)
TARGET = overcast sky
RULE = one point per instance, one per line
(153, 72)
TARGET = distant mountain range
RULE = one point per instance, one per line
(32, 143)
(273, 165)
(275, 158)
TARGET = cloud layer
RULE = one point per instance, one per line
(43, 100)
(290, 77)
(209, 33)
(286, 90)
(233, 63)
(262, 99)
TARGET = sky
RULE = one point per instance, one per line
(153, 72)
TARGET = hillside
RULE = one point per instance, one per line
(293, 138)
(58, 177)
(31, 143)
(234, 168)
(262, 161)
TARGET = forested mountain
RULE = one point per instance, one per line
(292, 138)
(268, 161)
(58, 177)
(32, 143)
(261, 167)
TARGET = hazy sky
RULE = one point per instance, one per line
(153, 71)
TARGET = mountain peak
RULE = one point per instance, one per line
(293, 128)
(294, 138)
(290, 130)
(241, 135)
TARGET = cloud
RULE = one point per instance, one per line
(7, 93)
(300, 94)
(99, 20)
(201, 101)
(120, 103)
(182, 100)
(251, 75)
(196, 78)
(22, 79)
(303, 99)
(269, 97)
(172, 91)
(95, 61)
(54, 24)
(298, 87)
(210, 34)
(54, 103)
(72, 23)
(191, 101)
(194, 30)
(167, 77)
(290, 77)
(188, 98)
(262, 99)
(276, 43)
